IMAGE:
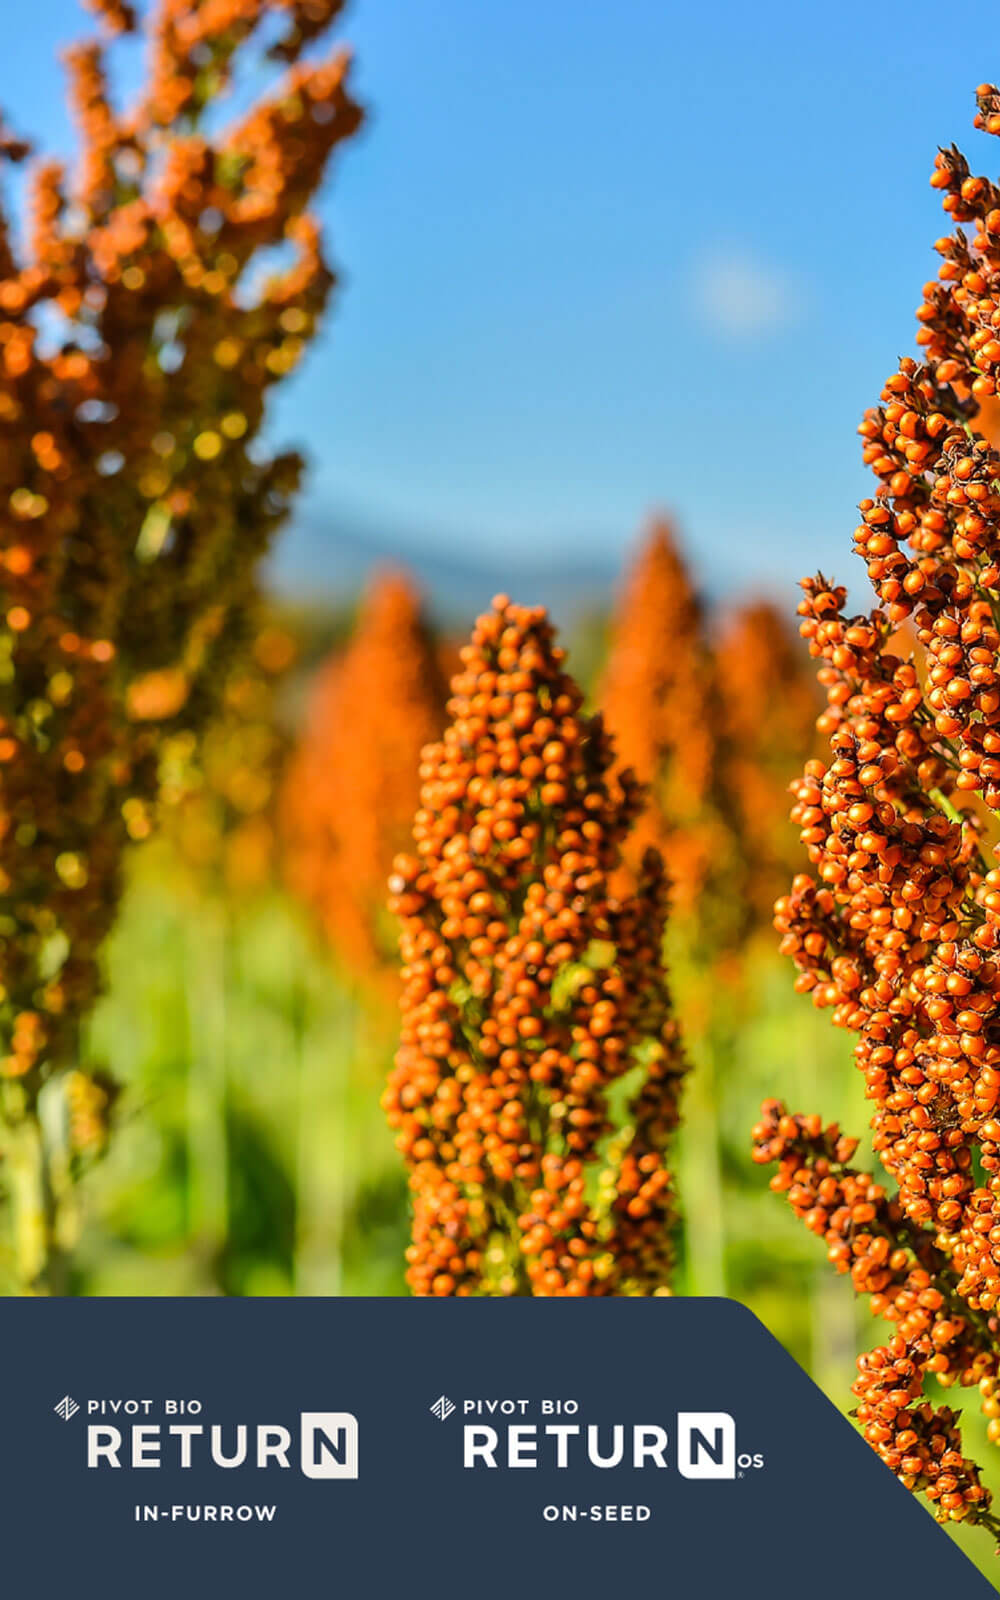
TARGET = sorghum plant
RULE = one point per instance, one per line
(353, 783)
(660, 698)
(897, 929)
(536, 1084)
(768, 703)
(137, 350)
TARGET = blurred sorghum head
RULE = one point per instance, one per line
(768, 703)
(353, 783)
(139, 340)
(660, 697)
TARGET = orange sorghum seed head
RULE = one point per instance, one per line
(768, 703)
(897, 927)
(353, 783)
(529, 989)
(912, 1283)
(135, 497)
(661, 700)
(920, 1444)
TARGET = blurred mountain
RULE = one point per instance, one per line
(327, 558)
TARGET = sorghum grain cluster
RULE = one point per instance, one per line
(660, 697)
(534, 999)
(768, 703)
(353, 783)
(910, 1282)
(660, 701)
(897, 927)
(138, 346)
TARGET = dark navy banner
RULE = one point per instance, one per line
(391, 1447)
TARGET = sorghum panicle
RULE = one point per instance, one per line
(131, 504)
(897, 927)
(137, 350)
(660, 698)
(353, 783)
(910, 1282)
(532, 993)
(768, 703)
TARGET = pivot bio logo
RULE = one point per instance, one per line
(701, 1445)
(320, 1444)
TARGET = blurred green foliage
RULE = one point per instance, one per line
(250, 1155)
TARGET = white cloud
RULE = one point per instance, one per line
(742, 297)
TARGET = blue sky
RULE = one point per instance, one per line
(600, 258)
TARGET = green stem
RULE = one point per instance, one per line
(944, 804)
(324, 1165)
(701, 1183)
(38, 1168)
(207, 1089)
(699, 1155)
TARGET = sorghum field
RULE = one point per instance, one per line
(351, 944)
